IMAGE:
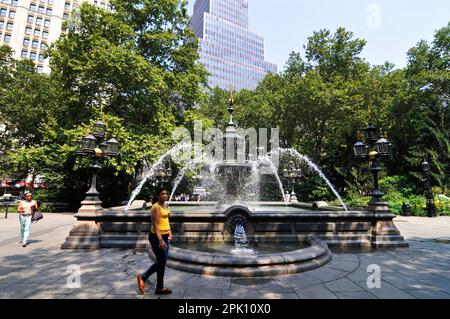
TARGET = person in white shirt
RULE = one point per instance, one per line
(26, 209)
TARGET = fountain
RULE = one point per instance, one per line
(300, 235)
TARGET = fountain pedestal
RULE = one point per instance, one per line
(85, 234)
(384, 232)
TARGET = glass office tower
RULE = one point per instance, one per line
(232, 54)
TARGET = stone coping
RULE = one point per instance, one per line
(138, 204)
(315, 249)
(315, 255)
(284, 214)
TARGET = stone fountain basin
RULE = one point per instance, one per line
(315, 255)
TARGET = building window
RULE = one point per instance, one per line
(28, 30)
(7, 38)
(26, 42)
(41, 9)
(67, 5)
(65, 16)
(39, 21)
(35, 44)
(2, 23)
(43, 46)
(51, 1)
(47, 23)
(49, 11)
(30, 19)
(37, 32)
(9, 26)
(45, 34)
(15, 2)
(12, 14)
(33, 7)
(33, 55)
(41, 57)
(24, 54)
(40, 69)
(2, 12)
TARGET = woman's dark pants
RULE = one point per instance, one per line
(161, 259)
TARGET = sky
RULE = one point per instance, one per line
(390, 27)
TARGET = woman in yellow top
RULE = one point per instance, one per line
(159, 237)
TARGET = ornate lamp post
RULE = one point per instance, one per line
(95, 146)
(293, 174)
(431, 209)
(379, 148)
(86, 232)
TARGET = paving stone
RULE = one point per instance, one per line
(296, 281)
(386, 291)
(359, 275)
(243, 293)
(177, 277)
(258, 284)
(108, 279)
(355, 295)
(204, 293)
(326, 274)
(404, 282)
(5, 285)
(176, 294)
(86, 295)
(441, 284)
(419, 274)
(96, 291)
(346, 257)
(46, 295)
(136, 296)
(7, 270)
(19, 291)
(124, 287)
(315, 292)
(208, 282)
(343, 265)
(420, 271)
(445, 274)
(343, 285)
(279, 295)
(429, 294)
(58, 289)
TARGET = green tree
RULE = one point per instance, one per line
(135, 68)
(28, 100)
(421, 112)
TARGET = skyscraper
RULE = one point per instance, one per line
(232, 54)
(30, 26)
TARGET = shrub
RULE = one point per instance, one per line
(442, 204)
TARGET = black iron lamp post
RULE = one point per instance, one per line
(431, 208)
(378, 148)
(96, 147)
(86, 232)
(293, 174)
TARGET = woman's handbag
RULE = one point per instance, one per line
(37, 216)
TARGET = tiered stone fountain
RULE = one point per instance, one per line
(203, 224)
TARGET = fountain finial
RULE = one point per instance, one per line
(231, 102)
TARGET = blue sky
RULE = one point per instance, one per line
(391, 27)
